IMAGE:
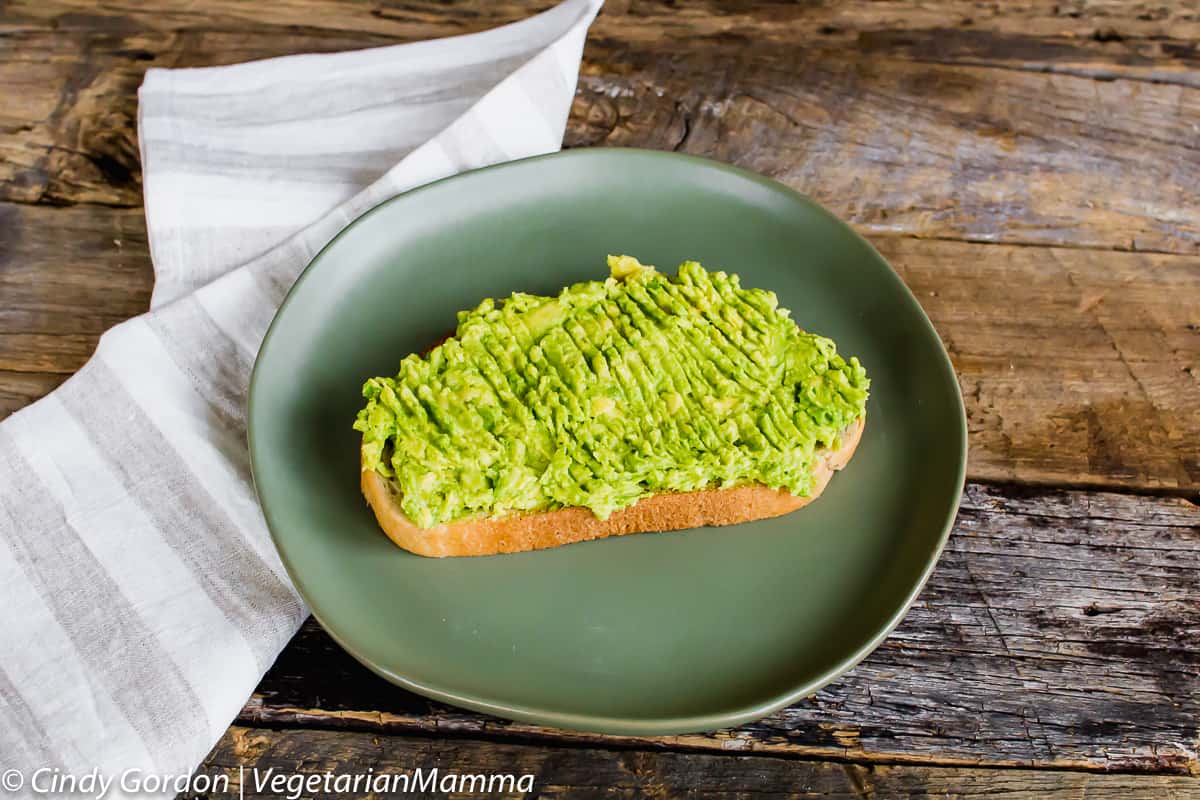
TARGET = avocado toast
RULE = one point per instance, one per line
(634, 404)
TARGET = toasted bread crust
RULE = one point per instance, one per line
(661, 512)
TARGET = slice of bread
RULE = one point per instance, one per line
(482, 536)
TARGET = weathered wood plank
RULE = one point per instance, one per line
(1106, 22)
(1059, 629)
(250, 759)
(1077, 366)
(1073, 363)
(902, 119)
(66, 276)
(19, 389)
(927, 150)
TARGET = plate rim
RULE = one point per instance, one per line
(627, 726)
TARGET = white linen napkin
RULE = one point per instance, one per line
(140, 597)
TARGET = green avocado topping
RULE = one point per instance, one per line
(609, 392)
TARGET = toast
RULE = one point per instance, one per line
(640, 403)
(672, 511)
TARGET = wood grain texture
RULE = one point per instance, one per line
(971, 121)
(19, 389)
(930, 150)
(66, 276)
(247, 756)
(1077, 366)
(1059, 629)
(1125, 34)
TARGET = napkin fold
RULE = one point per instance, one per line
(141, 599)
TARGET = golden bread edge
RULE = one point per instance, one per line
(661, 512)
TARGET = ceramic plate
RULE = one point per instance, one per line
(651, 634)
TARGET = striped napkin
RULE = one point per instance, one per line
(140, 597)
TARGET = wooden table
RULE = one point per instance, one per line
(1032, 169)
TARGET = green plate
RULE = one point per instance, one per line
(652, 634)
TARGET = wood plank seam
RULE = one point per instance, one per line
(399, 727)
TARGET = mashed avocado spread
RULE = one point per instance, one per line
(609, 392)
